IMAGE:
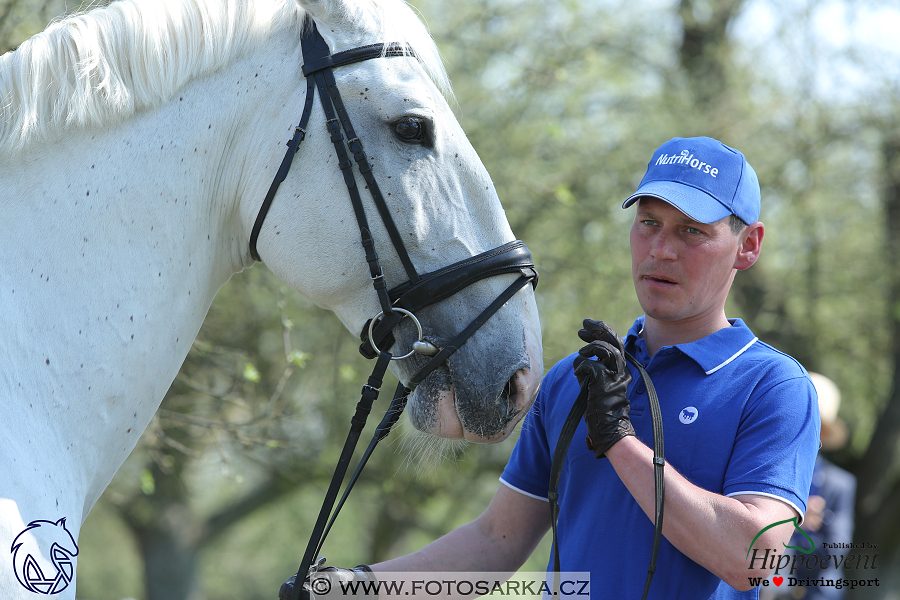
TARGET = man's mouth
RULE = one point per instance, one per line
(659, 280)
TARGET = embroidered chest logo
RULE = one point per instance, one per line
(688, 415)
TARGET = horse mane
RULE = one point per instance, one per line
(101, 66)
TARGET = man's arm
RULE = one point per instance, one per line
(500, 540)
(712, 530)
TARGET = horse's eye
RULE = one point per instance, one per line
(412, 130)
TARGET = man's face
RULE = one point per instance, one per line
(682, 269)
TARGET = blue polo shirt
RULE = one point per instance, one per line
(739, 417)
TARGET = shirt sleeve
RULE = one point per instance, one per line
(776, 444)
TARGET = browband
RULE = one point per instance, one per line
(355, 55)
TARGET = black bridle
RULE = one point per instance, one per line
(420, 290)
(403, 300)
(410, 297)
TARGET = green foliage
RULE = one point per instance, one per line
(20, 19)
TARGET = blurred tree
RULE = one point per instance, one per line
(878, 478)
(20, 19)
(705, 49)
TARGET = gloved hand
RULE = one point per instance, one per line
(328, 581)
(607, 380)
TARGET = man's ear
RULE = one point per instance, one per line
(751, 246)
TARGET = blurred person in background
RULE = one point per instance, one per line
(829, 512)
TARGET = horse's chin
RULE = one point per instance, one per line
(450, 426)
(434, 408)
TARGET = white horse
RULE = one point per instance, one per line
(137, 142)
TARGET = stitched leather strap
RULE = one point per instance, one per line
(329, 95)
(454, 344)
(293, 145)
(318, 58)
(355, 55)
(512, 257)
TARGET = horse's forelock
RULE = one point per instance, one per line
(395, 21)
(404, 24)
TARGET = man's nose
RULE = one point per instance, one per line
(663, 246)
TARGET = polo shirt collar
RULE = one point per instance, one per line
(712, 352)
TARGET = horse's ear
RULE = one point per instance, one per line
(61, 523)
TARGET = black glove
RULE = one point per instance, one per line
(607, 380)
(327, 581)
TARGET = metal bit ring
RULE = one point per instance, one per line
(406, 313)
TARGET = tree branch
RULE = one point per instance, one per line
(276, 486)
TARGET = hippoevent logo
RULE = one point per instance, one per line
(805, 559)
(43, 557)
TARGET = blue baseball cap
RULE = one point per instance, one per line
(703, 178)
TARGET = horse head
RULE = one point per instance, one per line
(444, 205)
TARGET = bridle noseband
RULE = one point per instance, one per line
(401, 301)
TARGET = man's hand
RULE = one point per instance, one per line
(607, 380)
(328, 580)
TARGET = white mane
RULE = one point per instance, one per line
(99, 67)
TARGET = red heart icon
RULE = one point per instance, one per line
(778, 580)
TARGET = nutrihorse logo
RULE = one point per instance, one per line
(43, 557)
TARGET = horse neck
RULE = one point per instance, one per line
(119, 257)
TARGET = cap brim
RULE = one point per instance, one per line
(693, 202)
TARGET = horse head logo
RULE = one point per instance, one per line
(688, 415)
(43, 557)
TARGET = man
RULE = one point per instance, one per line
(740, 418)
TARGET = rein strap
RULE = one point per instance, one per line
(562, 447)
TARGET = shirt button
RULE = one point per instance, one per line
(640, 389)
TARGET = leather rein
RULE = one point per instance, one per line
(397, 303)
(573, 419)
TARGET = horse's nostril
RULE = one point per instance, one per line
(510, 391)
